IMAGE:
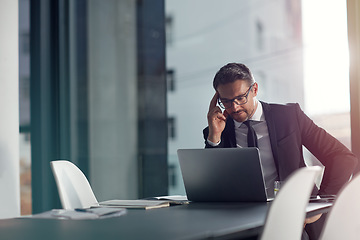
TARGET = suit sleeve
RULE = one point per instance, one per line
(338, 160)
(207, 145)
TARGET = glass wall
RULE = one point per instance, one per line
(326, 67)
(98, 96)
(295, 56)
(105, 96)
(126, 93)
(110, 89)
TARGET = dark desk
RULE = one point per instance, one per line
(193, 221)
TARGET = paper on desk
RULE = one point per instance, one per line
(102, 212)
(89, 213)
(71, 214)
(173, 197)
(138, 203)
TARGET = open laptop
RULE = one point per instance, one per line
(222, 175)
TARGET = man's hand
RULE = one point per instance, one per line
(312, 219)
(216, 120)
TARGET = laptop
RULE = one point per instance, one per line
(222, 175)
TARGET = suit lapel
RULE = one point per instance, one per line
(272, 133)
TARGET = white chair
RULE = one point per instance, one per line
(343, 221)
(73, 187)
(286, 216)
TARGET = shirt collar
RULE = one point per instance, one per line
(258, 115)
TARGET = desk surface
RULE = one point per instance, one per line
(193, 221)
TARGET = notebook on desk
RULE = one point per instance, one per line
(222, 175)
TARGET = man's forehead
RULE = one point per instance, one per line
(239, 82)
(236, 86)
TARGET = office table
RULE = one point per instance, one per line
(191, 221)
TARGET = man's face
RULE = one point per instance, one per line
(239, 88)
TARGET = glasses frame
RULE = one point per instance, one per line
(246, 95)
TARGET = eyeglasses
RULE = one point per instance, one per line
(239, 100)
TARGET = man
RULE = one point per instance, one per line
(281, 131)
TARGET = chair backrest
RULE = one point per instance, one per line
(343, 221)
(73, 186)
(286, 215)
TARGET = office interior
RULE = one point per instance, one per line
(117, 86)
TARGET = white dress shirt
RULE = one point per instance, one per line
(258, 122)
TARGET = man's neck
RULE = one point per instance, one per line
(255, 115)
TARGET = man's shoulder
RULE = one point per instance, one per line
(282, 112)
(279, 107)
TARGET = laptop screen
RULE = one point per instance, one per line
(222, 174)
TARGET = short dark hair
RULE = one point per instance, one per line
(232, 72)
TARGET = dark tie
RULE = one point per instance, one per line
(251, 136)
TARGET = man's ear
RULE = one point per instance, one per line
(255, 88)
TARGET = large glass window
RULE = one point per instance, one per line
(98, 96)
(326, 67)
(295, 56)
(104, 99)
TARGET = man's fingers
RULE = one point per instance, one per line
(214, 110)
(226, 114)
(216, 113)
(214, 101)
(313, 219)
(221, 116)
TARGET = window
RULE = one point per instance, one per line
(170, 77)
(272, 38)
(172, 176)
(101, 91)
(259, 35)
(169, 24)
(172, 128)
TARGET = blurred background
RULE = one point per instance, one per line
(117, 86)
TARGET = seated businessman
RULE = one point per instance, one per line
(236, 118)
